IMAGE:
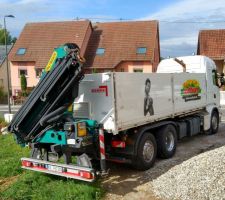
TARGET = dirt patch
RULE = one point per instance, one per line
(6, 182)
(124, 183)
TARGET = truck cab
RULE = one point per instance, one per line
(196, 64)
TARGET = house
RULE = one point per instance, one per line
(36, 43)
(123, 46)
(211, 43)
(3, 67)
(116, 46)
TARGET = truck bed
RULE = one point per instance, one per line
(124, 100)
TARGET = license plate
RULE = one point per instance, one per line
(55, 168)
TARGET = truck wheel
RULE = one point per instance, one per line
(214, 123)
(146, 152)
(166, 141)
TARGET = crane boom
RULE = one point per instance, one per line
(54, 93)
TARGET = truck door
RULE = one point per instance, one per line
(213, 94)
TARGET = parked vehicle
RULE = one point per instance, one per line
(119, 117)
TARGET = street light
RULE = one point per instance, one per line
(7, 65)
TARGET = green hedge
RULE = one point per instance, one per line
(3, 96)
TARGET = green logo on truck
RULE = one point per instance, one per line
(190, 90)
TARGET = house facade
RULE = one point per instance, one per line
(211, 43)
(116, 46)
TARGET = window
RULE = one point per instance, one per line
(122, 69)
(38, 72)
(138, 70)
(141, 50)
(21, 51)
(214, 77)
(100, 51)
(107, 70)
(22, 71)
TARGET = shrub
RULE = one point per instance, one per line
(3, 123)
(3, 96)
(23, 82)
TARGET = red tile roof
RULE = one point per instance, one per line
(120, 41)
(211, 43)
(40, 39)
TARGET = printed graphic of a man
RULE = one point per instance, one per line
(148, 101)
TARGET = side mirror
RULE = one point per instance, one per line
(220, 79)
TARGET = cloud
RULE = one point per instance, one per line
(181, 38)
(38, 10)
(47, 10)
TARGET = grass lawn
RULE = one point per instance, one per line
(16, 183)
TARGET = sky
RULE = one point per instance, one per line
(179, 20)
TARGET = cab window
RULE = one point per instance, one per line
(214, 77)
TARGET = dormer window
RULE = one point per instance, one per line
(21, 51)
(141, 50)
(100, 51)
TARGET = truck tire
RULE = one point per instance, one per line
(214, 123)
(166, 139)
(146, 152)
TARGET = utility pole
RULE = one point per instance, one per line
(7, 64)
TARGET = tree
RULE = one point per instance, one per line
(10, 39)
(94, 71)
(23, 82)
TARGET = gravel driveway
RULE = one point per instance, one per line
(124, 183)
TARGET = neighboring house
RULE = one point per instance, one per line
(123, 46)
(36, 43)
(116, 46)
(211, 43)
(3, 67)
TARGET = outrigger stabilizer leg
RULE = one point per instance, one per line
(102, 150)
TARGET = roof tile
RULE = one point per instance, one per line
(40, 39)
(212, 43)
(121, 40)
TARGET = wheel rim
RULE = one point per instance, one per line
(148, 151)
(214, 122)
(169, 141)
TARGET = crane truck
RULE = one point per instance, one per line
(75, 124)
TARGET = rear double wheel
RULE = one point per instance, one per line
(166, 138)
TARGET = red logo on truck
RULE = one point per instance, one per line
(101, 89)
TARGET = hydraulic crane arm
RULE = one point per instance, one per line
(56, 90)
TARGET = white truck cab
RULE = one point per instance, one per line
(197, 64)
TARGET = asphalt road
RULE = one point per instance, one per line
(4, 109)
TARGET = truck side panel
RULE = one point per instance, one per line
(96, 92)
(142, 98)
(145, 98)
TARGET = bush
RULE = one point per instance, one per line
(3, 123)
(3, 96)
(23, 82)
